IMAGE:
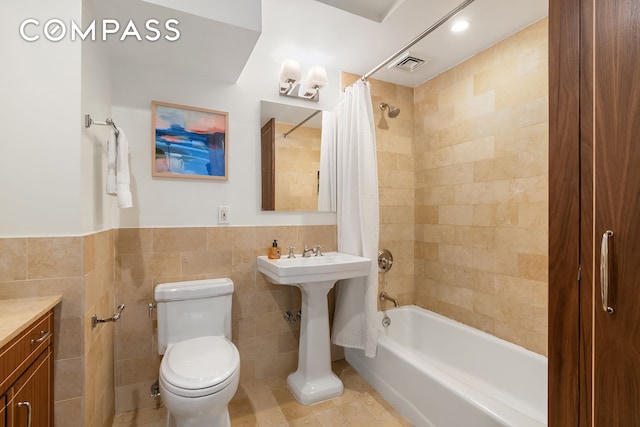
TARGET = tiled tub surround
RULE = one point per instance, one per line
(394, 147)
(463, 189)
(481, 138)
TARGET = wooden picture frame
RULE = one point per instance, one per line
(189, 142)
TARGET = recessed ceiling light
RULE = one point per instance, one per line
(459, 26)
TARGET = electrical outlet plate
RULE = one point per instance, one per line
(223, 215)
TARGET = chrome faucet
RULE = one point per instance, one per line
(291, 254)
(385, 297)
(316, 251)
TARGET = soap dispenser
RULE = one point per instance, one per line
(274, 251)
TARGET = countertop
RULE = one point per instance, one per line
(17, 314)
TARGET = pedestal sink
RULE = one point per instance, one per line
(314, 381)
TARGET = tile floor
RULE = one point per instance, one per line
(269, 403)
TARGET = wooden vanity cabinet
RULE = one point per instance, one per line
(26, 377)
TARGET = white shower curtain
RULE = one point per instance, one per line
(358, 218)
(327, 186)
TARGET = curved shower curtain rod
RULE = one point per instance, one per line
(425, 33)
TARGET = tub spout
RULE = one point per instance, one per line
(385, 297)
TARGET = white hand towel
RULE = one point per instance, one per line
(111, 163)
(118, 180)
(123, 179)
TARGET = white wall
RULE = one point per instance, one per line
(97, 207)
(241, 13)
(40, 110)
(160, 202)
(53, 169)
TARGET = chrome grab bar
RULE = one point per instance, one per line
(114, 318)
(604, 271)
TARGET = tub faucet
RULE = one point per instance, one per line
(385, 297)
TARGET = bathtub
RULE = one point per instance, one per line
(440, 373)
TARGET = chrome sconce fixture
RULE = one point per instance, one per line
(292, 85)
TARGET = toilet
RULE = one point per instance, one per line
(200, 370)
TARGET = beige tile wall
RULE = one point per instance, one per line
(99, 290)
(81, 270)
(145, 257)
(297, 165)
(394, 141)
(481, 132)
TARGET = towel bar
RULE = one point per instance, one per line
(88, 121)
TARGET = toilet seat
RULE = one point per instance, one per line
(199, 366)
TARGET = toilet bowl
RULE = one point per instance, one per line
(200, 370)
(198, 378)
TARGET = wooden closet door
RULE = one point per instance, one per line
(615, 118)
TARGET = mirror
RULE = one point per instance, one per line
(290, 146)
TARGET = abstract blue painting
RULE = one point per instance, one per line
(189, 142)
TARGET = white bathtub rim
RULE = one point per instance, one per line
(399, 402)
(468, 391)
(458, 324)
(416, 417)
(494, 402)
(520, 405)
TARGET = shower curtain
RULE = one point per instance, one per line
(358, 218)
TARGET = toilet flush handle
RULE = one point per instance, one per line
(152, 305)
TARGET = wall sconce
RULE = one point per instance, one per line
(291, 84)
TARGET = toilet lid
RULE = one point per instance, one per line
(200, 363)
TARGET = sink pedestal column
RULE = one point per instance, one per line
(314, 381)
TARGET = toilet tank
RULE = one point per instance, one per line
(193, 309)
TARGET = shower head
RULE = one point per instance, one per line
(393, 111)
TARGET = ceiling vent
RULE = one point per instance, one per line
(408, 62)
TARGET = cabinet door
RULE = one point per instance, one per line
(3, 411)
(616, 129)
(31, 402)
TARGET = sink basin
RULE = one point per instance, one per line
(331, 266)
(314, 381)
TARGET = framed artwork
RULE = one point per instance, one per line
(189, 142)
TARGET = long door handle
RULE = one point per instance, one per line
(604, 271)
(28, 406)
